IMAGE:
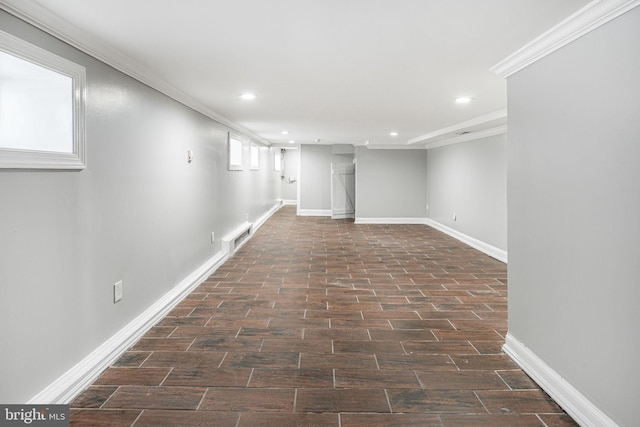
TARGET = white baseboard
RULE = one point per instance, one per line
(360, 220)
(314, 212)
(64, 389)
(492, 251)
(571, 400)
(258, 223)
(289, 202)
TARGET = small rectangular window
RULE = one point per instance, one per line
(277, 161)
(41, 108)
(255, 157)
(235, 153)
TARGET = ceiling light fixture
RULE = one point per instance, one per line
(285, 132)
(393, 133)
(463, 100)
(291, 141)
(248, 96)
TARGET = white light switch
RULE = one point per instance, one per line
(117, 292)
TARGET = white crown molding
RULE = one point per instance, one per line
(42, 18)
(585, 412)
(472, 136)
(585, 20)
(476, 121)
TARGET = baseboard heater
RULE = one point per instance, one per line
(236, 238)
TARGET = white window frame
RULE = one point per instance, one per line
(11, 158)
(255, 157)
(277, 161)
(235, 162)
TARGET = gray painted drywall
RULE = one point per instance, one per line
(139, 213)
(574, 210)
(470, 180)
(390, 183)
(315, 176)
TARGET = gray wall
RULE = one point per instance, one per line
(574, 213)
(315, 176)
(390, 183)
(470, 180)
(139, 213)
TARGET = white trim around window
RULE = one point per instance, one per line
(23, 143)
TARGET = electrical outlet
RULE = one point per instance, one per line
(213, 237)
(455, 217)
(117, 291)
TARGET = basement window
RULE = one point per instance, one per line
(42, 99)
(255, 157)
(235, 153)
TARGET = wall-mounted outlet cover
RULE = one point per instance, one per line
(117, 291)
(455, 217)
(213, 237)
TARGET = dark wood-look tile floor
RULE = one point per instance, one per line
(320, 322)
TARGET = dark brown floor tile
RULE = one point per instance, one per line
(427, 362)
(208, 377)
(402, 334)
(248, 399)
(102, 418)
(261, 360)
(344, 361)
(460, 380)
(271, 419)
(361, 323)
(375, 378)
(465, 335)
(316, 315)
(185, 359)
(558, 420)
(158, 418)
(271, 332)
(425, 401)
(518, 402)
(137, 397)
(159, 332)
(341, 400)
(336, 334)
(132, 359)
(296, 345)
(490, 420)
(439, 347)
(484, 362)
(518, 380)
(421, 324)
(488, 347)
(377, 347)
(133, 376)
(93, 397)
(292, 378)
(162, 344)
(389, 420)
(400, 315)
(226, 344)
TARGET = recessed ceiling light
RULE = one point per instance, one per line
(393, 133)
(285, 132)
(248, 96)
(291, 141)
(463, 100)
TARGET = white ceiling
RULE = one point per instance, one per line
(342, 71)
